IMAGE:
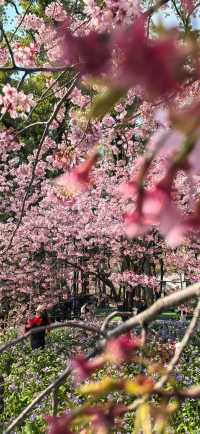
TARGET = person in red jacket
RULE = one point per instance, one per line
(40, 319)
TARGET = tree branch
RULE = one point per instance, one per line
(111, 316)
(159, 306)
(35, 69)
(8, 45)
(180, 347)
(73, 324)
(21, 21)
(39, 398)
(46, 92)
(154, 8)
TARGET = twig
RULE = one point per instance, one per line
(39, 398)
(193, 9)
(21, 82)
(73, 324)
(35, 69)
(159, 306)
(47, 391)
(180, 347)
(46, 92)
(14, 5)
(111, 316)
(21, 21)
(8, 45)
(154, 8)
(54, 401)
(192, 392)
(34, 124)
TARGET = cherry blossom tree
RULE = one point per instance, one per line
(99, 148)
(120, 134)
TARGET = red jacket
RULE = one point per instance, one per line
(37, 321)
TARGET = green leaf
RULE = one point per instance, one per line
(143, 420)
(105, 102)
(138, 387)
(160, 424)
(106, 385)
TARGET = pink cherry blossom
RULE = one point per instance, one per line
(188, 5)
(25, 55)
(83, 368)
(78, 179)
(3, 56)
(155, 64)
(77, 50)
(122, 349)
(15, 102)
(59, 424)
(56, 11)
(31, 22)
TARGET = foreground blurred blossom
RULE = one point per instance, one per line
(166, 142)
(156, 64)
(104, 419)
(84, 368)
(188, 5)
(60, 424)
(136, 224)
(91, 53)
(155, 208)
(122, 349)
(128, 189)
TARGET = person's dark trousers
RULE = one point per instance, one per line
(38, 340)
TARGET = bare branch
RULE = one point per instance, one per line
(111, 316)
(8, 45)
(54, 401)
(154, 8)
(35, 69)
(39, 398)
(73, 324)
(159, 306)
(46, 92)
(34, 124)
(21, 82)
(180, 347)
(21, 21)
(47, 391)
(14, 5)
(192, 392)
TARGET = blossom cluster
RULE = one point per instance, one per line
(25, 55)
(3, 56)
(15, 102)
